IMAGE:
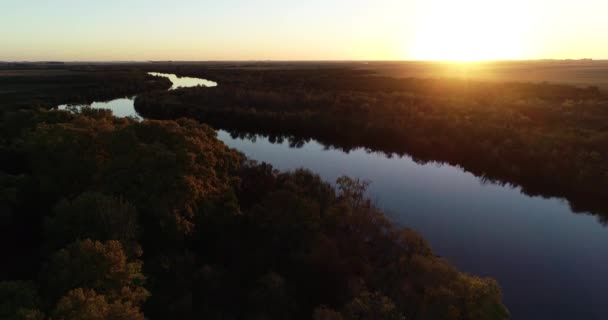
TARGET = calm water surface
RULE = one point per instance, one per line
(125, 107)
(550, 262)
(184, 82)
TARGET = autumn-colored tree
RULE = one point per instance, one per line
(100, 266)
(217, 231)
(86, 304)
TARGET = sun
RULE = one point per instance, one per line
(469, 30)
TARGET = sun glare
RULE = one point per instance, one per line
(469, 30)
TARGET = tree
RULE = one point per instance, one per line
(325, 313)
(19, 301)
(352, 189)
(86, 304)
(372, 306)
(166, 169)
(366, 306)
(101, 266)
(94, 216)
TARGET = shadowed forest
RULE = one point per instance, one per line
(304, 160)
(113, 218)
(550, 139)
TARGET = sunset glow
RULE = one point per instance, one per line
(469, 30)
(466, 30)
(318, 159)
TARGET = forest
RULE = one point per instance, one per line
(114, 218)
(48, 87)
(549, 139)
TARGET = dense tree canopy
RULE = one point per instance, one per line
(107, 218)
(499, 131)
(93, 216)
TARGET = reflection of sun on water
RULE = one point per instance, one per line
(470, 30)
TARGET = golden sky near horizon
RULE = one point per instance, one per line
(463, 30)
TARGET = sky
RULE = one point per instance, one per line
(119, 30)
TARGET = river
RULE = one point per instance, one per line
(550, 262)
(125, 107)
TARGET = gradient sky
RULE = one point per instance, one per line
(71, 30)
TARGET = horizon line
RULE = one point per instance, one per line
(300, 60)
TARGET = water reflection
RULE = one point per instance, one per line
(125, 107)
(184, 82)
(580, 203)
(548, 260)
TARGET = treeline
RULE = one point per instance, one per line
(331, 78)
(108, 218)
(550, 139)
(34, 87)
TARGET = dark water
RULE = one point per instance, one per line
(550, 262)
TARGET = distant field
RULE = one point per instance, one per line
(583, 72)
(578, 72)
(572, 72)
(35, 72)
